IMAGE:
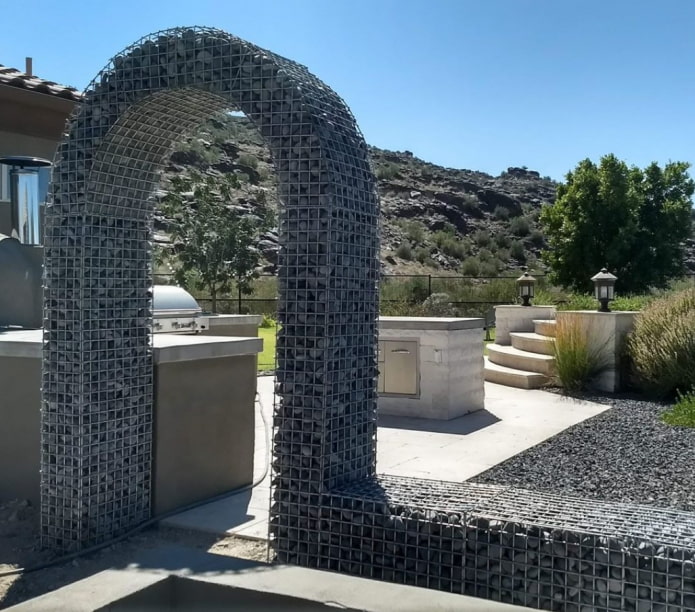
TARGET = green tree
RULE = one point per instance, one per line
(214, 241)
(664, 222)
(633, 222)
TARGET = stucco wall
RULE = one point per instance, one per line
(204, 423)
(606, 332)
(204, 429)
(20, 403)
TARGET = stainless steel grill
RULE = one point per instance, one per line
(174, 310)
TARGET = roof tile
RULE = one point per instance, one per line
(16, 78)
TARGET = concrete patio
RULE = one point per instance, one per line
(513, 420)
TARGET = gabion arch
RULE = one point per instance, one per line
(97, 375)
(329, 510)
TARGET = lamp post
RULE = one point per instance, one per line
(604, 288)
(525, 287)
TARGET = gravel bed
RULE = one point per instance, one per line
(626, 454)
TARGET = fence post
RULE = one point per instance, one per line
(429, 285)
(238, 310)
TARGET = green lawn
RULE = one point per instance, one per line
(492, 339)
(266, 359)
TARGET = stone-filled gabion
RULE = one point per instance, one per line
(328, 509)
(97, 379)
(542, 551)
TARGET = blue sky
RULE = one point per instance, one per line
(481, 85)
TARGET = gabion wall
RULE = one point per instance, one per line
(329, 510)
(97, 380)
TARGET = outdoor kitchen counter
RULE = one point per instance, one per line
(203, 416)
(168, 348)
(430, 367)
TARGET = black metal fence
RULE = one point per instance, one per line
(395, 289)
(471, 296)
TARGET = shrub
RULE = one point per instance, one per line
(537, 238)
(501, 213)
(632, 302)
(197, 152)
(401, 308)
(517, 251)
(415, 231)
(482, 238)
(503, 241)
(519, 226)
(245, 159)
(578, 359)
(470, 267)
(422, 255)
(387, 171)
(404, 251)
(484, 255)
(683, 412)
(662, 345)
(489, 268)
(454, 248)
(470, 203)
(498, 290)
(268, 321)
(438, 305)
(412, 290)
(440, 237)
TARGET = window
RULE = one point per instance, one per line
(4, 183)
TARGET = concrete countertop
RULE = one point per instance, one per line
(168, 348)
(231, 319)
(433, 323)
(21, 343)
(173, 347)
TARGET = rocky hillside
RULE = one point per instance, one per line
(434, 219)
(458, 220)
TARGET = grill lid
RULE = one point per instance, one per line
(172, 301)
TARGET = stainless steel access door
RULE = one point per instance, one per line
(399, 367)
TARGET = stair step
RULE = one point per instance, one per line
(532, 342)
(512, 377)
(511, 357)
(544, 327)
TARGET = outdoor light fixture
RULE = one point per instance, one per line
(604, 288)
(525, 284)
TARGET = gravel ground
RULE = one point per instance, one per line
(626, 454)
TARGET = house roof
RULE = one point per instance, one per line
(16, 78)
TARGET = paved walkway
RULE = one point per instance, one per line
(456, 450)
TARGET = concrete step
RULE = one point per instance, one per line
(512, 377)
(544, 327)
(533, 343)
(511, 357)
